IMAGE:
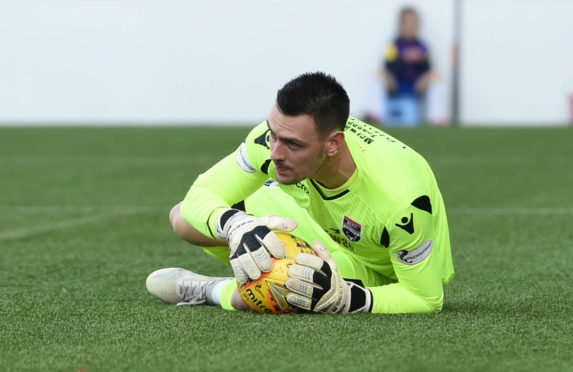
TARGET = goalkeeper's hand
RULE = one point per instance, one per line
(317, 286)
(251, 240)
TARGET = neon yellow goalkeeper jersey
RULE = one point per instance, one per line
(389, 215)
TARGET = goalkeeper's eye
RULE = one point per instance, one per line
(294, 145)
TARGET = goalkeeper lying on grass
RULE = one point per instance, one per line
(370, 203)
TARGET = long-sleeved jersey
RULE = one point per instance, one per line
(389, 215)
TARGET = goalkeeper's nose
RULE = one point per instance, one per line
(278, 153)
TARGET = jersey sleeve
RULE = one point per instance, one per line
(229, 181)
(411, 240)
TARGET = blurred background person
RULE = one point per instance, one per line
(406, 86)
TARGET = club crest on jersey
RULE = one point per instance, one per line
(352, 229)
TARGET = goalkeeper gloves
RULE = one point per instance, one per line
(251, 240)
(317, 286)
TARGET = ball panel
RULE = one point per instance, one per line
(268, 293)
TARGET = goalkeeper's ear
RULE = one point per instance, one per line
(333, 143)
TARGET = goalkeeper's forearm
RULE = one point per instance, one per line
(396, 298)
(210, 195)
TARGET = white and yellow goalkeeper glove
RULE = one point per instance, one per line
(251, 240)
(317, 286)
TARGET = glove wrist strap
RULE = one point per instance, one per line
(360, 298)
(223, 220)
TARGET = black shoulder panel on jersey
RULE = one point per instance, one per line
(385, 238)
(240, 206)
(262, 139)
(423, 203)
(324, 197)
(265, 166)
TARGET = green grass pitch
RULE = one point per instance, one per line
(83, 221)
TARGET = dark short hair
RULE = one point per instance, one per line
(318, 95)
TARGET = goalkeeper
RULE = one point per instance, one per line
(370, 204)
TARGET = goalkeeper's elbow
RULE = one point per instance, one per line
(433, 304)
(396, 298)
(428, 303)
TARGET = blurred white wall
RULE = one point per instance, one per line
(516, 61)
(220, 61)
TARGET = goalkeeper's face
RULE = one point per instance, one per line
(297, 149)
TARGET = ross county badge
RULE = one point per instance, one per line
(352, 229)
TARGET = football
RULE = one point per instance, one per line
(268, 293)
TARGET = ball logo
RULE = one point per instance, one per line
(279, 293)
(417, 255)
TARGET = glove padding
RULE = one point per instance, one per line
(250, 240)
(317, 286)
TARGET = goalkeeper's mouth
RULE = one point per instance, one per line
(281, 168)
